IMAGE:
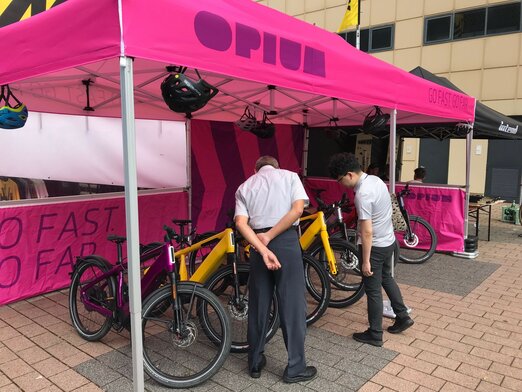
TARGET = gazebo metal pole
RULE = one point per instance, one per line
(469, 141)
(131, 215)
(393, 138)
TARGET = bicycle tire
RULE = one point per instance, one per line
(423, 244)
(199, 357)
(91, 325)
(347, 286)
(320, 296)
(221, 284)
(352, 240)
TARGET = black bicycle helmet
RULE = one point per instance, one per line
(247, 122)
(375, 121)
(184, 95)
(265, 129)
(11, 117)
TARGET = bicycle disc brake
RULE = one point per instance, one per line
(411, 241)
(348, 261)
(187, 336)
(239, 311)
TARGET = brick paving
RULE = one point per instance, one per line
(467, 337)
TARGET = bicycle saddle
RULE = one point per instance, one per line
(181, 222)
(117, 239)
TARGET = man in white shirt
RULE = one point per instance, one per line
(268, 207)
(377, 239)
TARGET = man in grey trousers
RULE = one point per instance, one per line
(268, 207)
(377, 239)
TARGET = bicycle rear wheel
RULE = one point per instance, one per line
(182, 355)
(221, 283)
(90, 324)
(347, 286)
(318, 289)
(418, 247)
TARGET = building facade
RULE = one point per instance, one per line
(476, 44)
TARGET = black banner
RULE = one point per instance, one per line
(16, 9)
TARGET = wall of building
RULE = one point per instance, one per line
(488, 68)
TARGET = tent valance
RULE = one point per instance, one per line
(255, 55)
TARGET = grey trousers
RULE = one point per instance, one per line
(381, 261)
(290, 291)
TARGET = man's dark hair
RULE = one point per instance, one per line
(419, 173)
(342, 163)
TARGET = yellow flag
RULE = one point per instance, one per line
(351, 17)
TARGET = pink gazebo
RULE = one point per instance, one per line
(255, 56)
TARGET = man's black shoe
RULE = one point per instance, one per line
(368, 338)
(401, 324)
(255, 372)
(308, 374)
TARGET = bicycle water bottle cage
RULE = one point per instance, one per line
(183, 94)
(11, 117)
(375, 121)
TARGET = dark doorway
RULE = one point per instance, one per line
(503, 169)
(322, 144)
(434, 156)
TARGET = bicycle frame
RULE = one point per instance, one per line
(225, 247)
(318, 228)
(166, 262)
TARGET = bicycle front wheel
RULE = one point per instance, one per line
(420, 245)
(221, 283)
(89, 323)
(177, 351)
(347, 286)
(318, 289)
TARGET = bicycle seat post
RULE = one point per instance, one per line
(120, 253)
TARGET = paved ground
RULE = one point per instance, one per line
(467, 337)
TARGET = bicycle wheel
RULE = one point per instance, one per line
(347, 286)
(420, 246)
(318, 289)
(90, 324)
(197, 257)
(180, 355)
(221, 283)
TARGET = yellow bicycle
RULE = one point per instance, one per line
(339, 258)
(213, 260)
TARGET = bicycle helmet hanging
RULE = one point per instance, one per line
(265, 128)
(248, 121)
(375, 121)
(184, 95)
(11, 117)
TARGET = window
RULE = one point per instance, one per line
(381, 38)
(364, 42)
(375, 39)
(469, 24)
(503, 19)
(438, 29)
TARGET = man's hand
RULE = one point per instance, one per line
(271, 261)
(367, 268)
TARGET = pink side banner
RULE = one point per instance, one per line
(39, 243)
(442, 207)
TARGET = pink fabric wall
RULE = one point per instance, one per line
(223, 156)
(38, 244)
(442, 207)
